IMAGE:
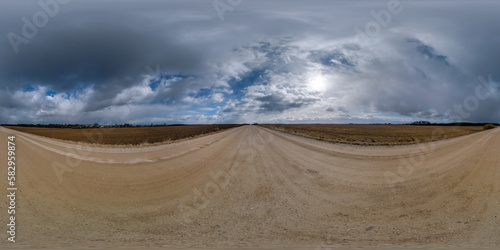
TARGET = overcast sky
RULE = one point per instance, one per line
(235, 61)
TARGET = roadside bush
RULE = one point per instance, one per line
(488, 126)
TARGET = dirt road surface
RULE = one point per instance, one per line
(254, 187)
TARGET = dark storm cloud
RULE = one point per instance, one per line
(427, 51)
(280, 103)
(104, 45)
(95, 47)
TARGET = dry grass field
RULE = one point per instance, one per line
(125, 136)
(376, 135)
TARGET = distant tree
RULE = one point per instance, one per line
(488, 126)
(421, 123)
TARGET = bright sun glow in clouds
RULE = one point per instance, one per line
(318, 82)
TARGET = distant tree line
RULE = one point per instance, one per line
(424, 123)
(95, 125)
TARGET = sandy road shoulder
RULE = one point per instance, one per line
(120, 155)
(383, 151)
